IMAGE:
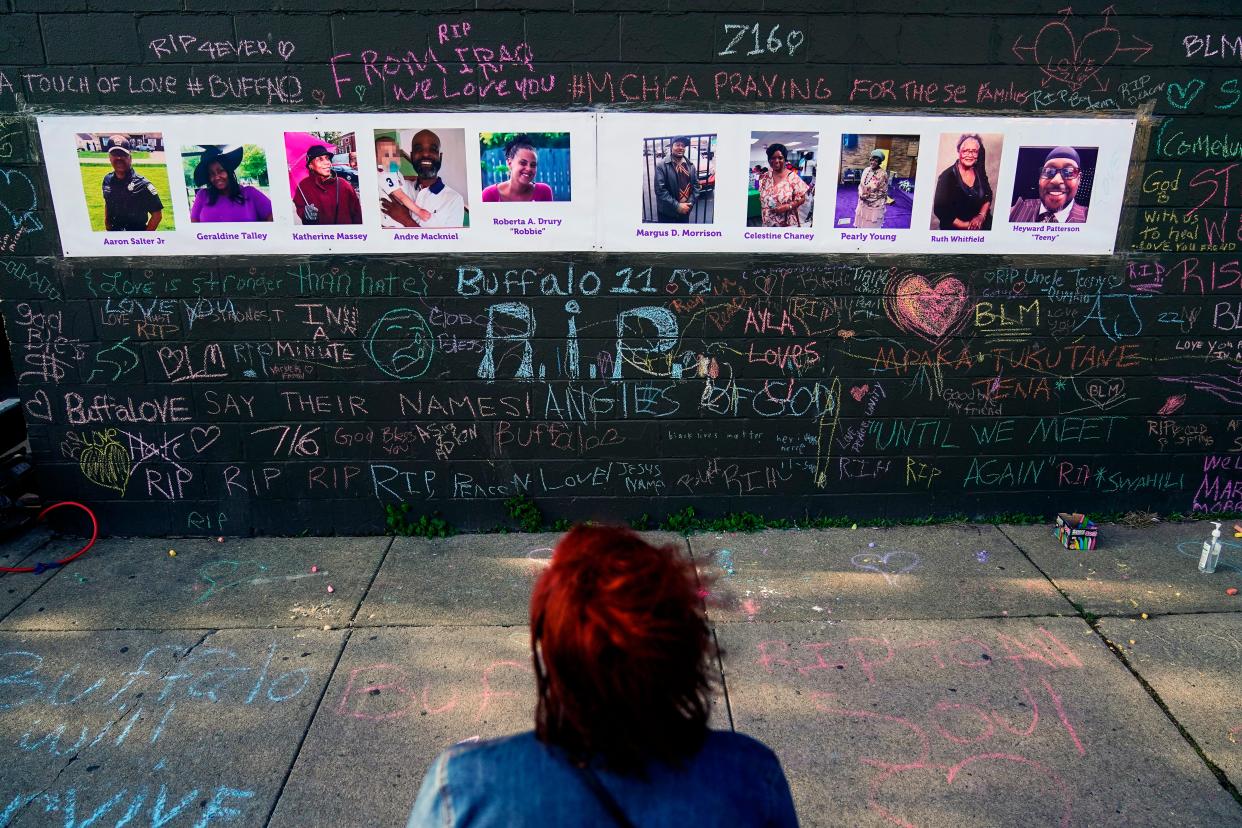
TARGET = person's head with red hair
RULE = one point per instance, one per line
(622, 650)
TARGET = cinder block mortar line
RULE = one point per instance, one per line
(724, 687)
(362, 598)
(309, 723)
(1092, 621)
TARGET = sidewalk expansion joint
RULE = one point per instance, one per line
(310, 721)
(1220, 775)
(1092, 620)
(362, 599)
(724, 684)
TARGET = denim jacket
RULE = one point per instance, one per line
(734, 781)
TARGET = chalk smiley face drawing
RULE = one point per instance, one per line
(401, 344)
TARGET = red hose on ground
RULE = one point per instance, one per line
(43, 566)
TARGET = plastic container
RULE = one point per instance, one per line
(1210, 556)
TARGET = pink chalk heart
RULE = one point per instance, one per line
(202, 438)
(931, 311)
(39, 407)
(1055, 49)
(859, 391)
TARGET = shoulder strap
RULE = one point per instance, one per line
(606, 799)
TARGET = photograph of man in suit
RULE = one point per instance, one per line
(1058, 185)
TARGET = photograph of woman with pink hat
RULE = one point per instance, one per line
(323, 177)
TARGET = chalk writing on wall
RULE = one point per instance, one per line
(221, 394)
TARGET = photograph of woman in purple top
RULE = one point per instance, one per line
(221, 197)
(523, 163)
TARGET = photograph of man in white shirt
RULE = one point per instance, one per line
(425, 200)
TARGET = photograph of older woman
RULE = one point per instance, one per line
(511, 162)
(679, 179)
(964, 197)
(876, 186)
(323, 177)
(625, 672)
(782, 190)
(225, 182)
(872, 193)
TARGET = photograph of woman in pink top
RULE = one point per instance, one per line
(221, 197)
(523, 163)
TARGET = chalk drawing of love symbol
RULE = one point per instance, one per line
(890, 564)
(932, 311)
(18, 202)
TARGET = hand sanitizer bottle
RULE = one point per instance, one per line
(1211, 552)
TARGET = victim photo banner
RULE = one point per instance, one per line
(501, 182)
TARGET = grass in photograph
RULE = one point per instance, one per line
(92, 186)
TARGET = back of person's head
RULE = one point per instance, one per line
(622, 650)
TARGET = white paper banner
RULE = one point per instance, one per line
(492, 182)
(916, 191)
(553, 209)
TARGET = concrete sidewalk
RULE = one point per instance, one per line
(951, 675)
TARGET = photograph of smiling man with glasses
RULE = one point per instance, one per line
(1061, 190)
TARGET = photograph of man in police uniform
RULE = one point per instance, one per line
(131, 202)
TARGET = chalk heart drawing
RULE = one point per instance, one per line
(105, 461)
(18, 201)
(859, 391)
(933, 311)
(1183, 96)
(1064, 58)
(540, 556)
(890, 564)
(202, 438)
(1104, 393)
(39, 407)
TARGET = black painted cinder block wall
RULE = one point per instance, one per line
(186, 396)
